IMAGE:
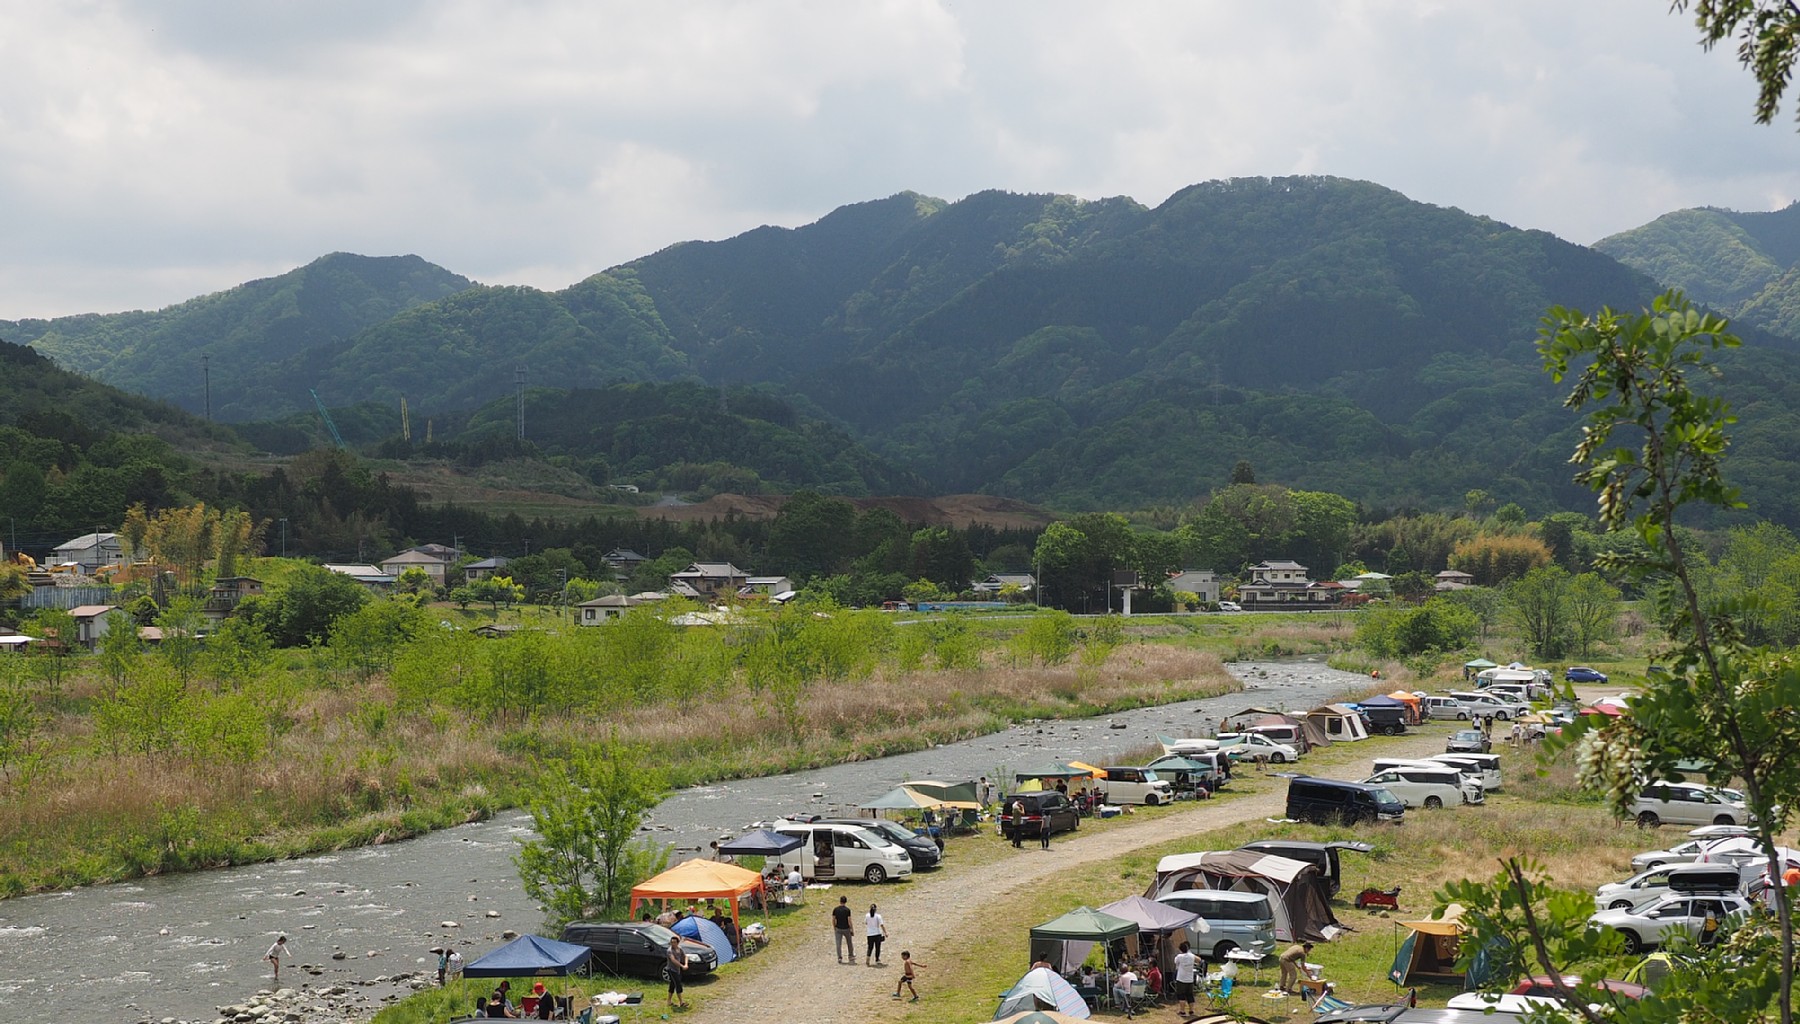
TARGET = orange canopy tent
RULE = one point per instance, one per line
(1411, 701)
(698, 880)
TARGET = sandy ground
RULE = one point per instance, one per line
(800, 982)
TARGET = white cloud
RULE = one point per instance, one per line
(150, 151)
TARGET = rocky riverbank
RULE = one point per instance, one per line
(334, 1003)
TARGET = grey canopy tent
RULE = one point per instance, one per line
(529, 956)
(761, 843)
(1299, 891)
(1167, 923)
(1084, 926)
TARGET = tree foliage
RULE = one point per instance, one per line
(586, 856)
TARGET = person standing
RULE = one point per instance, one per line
(1291, 960)
(874, 930)
(443, 964)
(455, 965)
(842, 937)
(672, 968)
(907, 964)
(1018, 823)
(1187, 974)
(984, 792)
(276, 953)
(1044, 832)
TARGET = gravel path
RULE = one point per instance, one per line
(798, 982)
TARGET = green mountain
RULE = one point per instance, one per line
(1746, 265)
(245, 334)
(1333, 333)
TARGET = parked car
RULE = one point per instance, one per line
(1690, 803)
(1492, 705)
(1656, 921)
(1428, 787)
(636, 948)
(1214, 773)
(1467, 741)
(1043, 810)
(1386, 721)
(1136, 786)
(844, 852)
(1254, 745)
(919, 849)
(1333, 802)
(1583, 674)
(1230, 606)
(1473, 773)
(1542, 985)
(1229, 920)
(1488, 764)
(1291, 735)
(1698, 842)
(1447, 707)
(1658, 881)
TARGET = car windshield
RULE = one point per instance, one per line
(657, 933)
(872, 837)
(1387, 801)
(1150, 776)
(1469, 734)
(890, 829)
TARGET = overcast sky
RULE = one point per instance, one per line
(151, 152)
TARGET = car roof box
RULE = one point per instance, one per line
(1689, 878)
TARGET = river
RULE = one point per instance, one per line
(183, 945)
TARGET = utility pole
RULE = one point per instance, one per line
(206, 383)
(284, 536)
(519, 385)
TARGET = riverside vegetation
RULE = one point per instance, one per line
(138, 761)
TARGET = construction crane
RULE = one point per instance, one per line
(336, 437)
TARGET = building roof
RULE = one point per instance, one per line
(414, 557)
(359, 573)
(1279, 564)
(88, 540)
(441, 552)
(1454, 574)
(764, 581)
(623, 555)
(88, 611)
(610, 601)
(496, 562)
(711, 570)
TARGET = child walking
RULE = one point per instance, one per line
(907, 964)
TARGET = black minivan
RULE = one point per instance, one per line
(1047, 809)
(1331, 802)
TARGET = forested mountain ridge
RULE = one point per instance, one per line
(246, 332)
(1746, 265)
(1089, 354)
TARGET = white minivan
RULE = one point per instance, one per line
(1428, 786)
(1489, 765)
(841, 852)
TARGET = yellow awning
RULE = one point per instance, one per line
(1098, 773)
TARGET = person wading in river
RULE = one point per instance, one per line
(276, 952)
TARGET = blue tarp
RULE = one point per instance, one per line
(528, 956)
(761, 842)
(709, 933)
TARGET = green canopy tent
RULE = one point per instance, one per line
(1065, 941)
(902, 798)
(948, 792)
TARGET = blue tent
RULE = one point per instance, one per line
(529, 956)
(709, 933)
(761, 842)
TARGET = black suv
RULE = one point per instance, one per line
(1043, 810)
(1387, 721)
(637, 948)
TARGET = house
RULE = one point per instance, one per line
(1276, 584)
(623, 561)
(1199, 582)
(434, 565)
(486, 567)
(13, 643)
(91, 551)
(226, 593)
(603, 609)
(90, 623)
(367, 575)
(1452, 579)
(495, 630)
(706, 580)
(770, 588)
(1026, 582)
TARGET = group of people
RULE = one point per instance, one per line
(843, 935)
(540, 1005)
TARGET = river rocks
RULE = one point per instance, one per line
(493, 913)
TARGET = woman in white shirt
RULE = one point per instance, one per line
(875, 929)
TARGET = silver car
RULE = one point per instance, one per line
(1689, 803)
(1666, 917)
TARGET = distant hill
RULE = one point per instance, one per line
(1746, 265)
(246, 334)
(1333, 333)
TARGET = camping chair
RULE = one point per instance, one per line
(1139, 999)
(1218, 993)
(1328, 1003)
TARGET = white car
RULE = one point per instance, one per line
(1690, 803)
(1254, 745)
(1493, 705)
(1697, 843)
(1487, 764)
(1666, 917)
(1230, 606)
(1430, 787)
(1136, 786)
(1448, 707)
(1688, 878)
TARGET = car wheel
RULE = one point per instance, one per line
(1619, 905)
(1504, 716)
(1223, 948)
(1462, 716)
(875, 874)
(1648, 819)
(1633, 944)
(1278, 758)
(1723, 819)
(1432, 803)
(1149, 799)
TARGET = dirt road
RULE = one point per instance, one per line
(799, 982)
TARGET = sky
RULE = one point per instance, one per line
(151, 152)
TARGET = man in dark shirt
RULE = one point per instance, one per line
(840, 929)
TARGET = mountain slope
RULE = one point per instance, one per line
(243, 332)
(1746, 265)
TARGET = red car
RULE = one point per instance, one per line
(1542, 985)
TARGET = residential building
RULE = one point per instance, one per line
(434, 565)
(624, 562)
(226, 593)
(1198, 582)
(1026, 582)
(367, 575)
(486, 567)
(91, 623)
(603, 609)
(772, 588)
(707, 580)
(1452, 579)
(1275, 584)
(91, 551)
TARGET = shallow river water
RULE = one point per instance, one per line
(184, 945)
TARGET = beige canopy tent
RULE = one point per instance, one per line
(1341, 723)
